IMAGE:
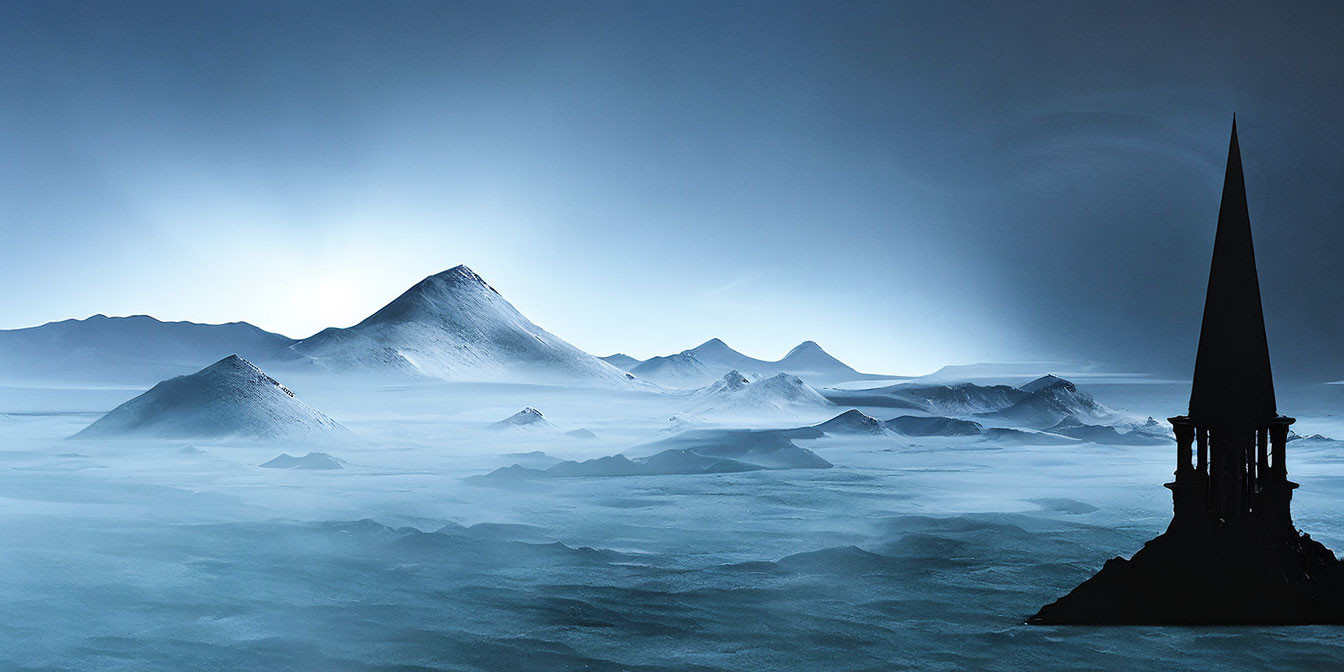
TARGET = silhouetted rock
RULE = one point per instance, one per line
(1264, 574)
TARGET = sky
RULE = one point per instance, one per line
(909, 184)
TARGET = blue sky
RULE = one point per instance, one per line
(908, 184)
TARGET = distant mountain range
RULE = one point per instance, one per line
(713, 358)
(451, 326)
(136, 350)
(1042, 403)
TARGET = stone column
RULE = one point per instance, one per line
(1282, 488)
(1202, 437)
(1185, 436)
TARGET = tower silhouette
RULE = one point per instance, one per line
(1231, 553)
(1233, 419)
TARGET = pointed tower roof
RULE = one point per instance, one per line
(1232, 382)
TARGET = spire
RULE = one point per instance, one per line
(1232, 377)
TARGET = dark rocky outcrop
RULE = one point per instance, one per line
(1256, 574)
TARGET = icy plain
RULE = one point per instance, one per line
(909, 553)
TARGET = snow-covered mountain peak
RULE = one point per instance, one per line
(455, 326)
(804, 347)
(237, 370)
(461, 273)
(715, 350)
(808, 356)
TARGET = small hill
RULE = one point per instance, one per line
(230, 398)
(528, 419)
(309, 461)
(783, 394)
(853, 423)
(1105, 434)
(696, 452)
(914, 425)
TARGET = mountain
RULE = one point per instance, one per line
(135, 350)
(852, 423)
(683, 369)
(230, 398)
(455, 326)
(1050, 399)
(781, 394)
(715, 352)
(529, 418)
(620, 360)
(807, 360)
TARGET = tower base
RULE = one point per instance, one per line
(1261, 572)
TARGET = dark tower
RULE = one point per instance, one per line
(1232, 420)
(1231, 553)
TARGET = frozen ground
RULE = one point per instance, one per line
(909, 553)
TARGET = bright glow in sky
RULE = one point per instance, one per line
(909, 185)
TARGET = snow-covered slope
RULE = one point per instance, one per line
(683, 370)
(230, 398)
(455, 326)
(783, 394)
(136, 350)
